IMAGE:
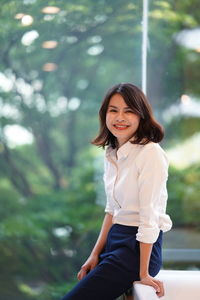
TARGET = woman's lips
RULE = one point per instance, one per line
(121, 127)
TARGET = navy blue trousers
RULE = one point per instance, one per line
(118, 267)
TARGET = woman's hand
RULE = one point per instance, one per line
(155, 283)
(89, 265)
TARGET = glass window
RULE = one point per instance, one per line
(173, 88)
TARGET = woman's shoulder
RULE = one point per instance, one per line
(151, 146)
(152, 151)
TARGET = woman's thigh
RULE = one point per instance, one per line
(105, 282)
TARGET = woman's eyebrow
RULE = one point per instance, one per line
(112, 106)
(127, 107)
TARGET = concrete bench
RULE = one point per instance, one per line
(179, 285)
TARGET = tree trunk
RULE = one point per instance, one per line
(15, 175)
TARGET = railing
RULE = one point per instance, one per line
(181, 255)
(179, 285)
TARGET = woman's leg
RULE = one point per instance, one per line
(105, 282)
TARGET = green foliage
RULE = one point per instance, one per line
(52, 234)
(183, 204)
(185, 126)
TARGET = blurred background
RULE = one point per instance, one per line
(57, 59)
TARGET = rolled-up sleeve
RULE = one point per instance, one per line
(109, 208)
(152, 165)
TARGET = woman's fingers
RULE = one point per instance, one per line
(160, 291)
(82, 273)
(156, 287)
(89, 265)
(159, 287)
(84, 270)
(156, 284)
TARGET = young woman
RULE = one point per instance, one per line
(129, 245)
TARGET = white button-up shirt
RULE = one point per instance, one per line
(135, 179)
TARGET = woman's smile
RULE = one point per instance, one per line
(120, 127)
(121, 120)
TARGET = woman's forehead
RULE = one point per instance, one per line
(117, 99)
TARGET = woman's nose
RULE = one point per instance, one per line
(120, 117)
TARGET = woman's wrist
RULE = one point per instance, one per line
(144, 274)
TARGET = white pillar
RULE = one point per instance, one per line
(144, 45)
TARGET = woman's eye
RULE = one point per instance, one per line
(130, 111)
(112, 110)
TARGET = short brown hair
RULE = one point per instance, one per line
(148, 130)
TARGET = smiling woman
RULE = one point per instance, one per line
(121, 120)
(129, 102)
(129, 245)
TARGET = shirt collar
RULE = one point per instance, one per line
(122, 152)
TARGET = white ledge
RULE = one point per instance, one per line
(178, 285)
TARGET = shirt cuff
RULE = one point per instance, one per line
(147, 235)
(109, 210)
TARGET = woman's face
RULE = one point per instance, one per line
(121, 121)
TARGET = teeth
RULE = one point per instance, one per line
(121, 126)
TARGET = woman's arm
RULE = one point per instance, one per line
(101, 241)
(152, 167)
(145, 278)
(145, 253)
(93, 259)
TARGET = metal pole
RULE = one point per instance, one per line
(144, 45)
